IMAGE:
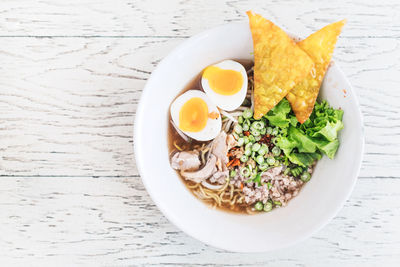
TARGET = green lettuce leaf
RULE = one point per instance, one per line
(327, 147)
(293, 120)
(278, 115)
(304, 159)
(303, 142)
(329, 131)
(286, 144)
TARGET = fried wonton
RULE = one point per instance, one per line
(279, 64)
(319, 46)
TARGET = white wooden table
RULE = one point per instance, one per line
(71, 76)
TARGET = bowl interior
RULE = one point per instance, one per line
(319, 200)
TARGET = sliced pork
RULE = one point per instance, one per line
(202, 174)
(186, 161)
(220, 149)
(215, 168)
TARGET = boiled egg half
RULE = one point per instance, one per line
(196, 115)
(226, 84)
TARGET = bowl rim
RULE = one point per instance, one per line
(139, 162)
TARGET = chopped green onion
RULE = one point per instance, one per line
(270, 160)
(256, 147)
(240, 141)
(268, 206)
(240, 119)
(306, 176)
(247, 152)
(262, 151)
(296, 171)
(263, 166)
(276, 151)
(275, 131)
(244, 158)
(277, 163)
(263, 131)
(286, 160)
(257, 179)
(250, 167)
(260, 159)
(238, 129)
(277, 203)
(265, 147)
(287, 171)
(247, 113)
(269, 130)
(257, 138)
(245, 172)
(233, 173)
(255, 132)
(251, 139)
(245, 127)
(269, 185)
(246, 140)
(259, 206)
(258, 125)
(248, 145)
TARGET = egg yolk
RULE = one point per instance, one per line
(193, 115)
(223, 82)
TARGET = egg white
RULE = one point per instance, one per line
(227, 102)
(213, 126)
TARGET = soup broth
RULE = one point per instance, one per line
(176, 143)
(246, 187)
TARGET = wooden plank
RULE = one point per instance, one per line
(67, 108)
(112, 221)
(185, 18)
(68, 104)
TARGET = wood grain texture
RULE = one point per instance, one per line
(68, 104)
(367, 19)
(71, 76)
(108, 221)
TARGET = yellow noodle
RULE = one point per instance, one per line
(193, 186)
(203, 154)
(234, 200)
(204, 191)
(228, 194)
(224, 200)
(215, 197)
(201, 192)
(224, 187)
(177, 147)
(231, 191)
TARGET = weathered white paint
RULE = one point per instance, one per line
(71, 76)
(112, 221)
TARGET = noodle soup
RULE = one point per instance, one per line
(247, 182)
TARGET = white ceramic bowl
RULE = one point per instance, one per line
(319, 200)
